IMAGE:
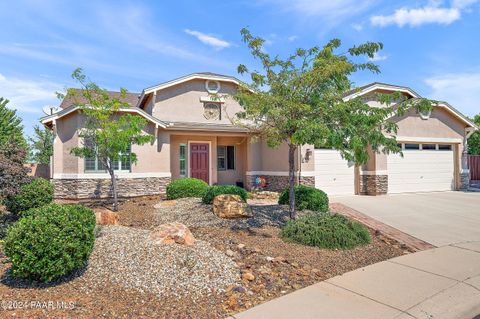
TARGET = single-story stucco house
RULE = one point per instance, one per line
(194, 137)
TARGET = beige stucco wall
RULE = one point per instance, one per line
(440, 125)
(66, 139)
(152, 157)
(182, 103)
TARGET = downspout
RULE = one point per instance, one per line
(54, 129)
(299, 168)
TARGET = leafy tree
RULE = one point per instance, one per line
(13, 175)
(107, 134)
(41, 145)
(11, 128)
(299, 100)
(474, 140)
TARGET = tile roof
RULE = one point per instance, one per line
(69, 100)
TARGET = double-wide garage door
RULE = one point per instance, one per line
(423, 168)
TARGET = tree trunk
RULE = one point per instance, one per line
(114, 188)
(291, 179)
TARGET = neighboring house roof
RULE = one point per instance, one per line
(49, 118)
(69, 100)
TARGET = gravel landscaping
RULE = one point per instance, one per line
(233, 265)
(192, 213)
(165, 270)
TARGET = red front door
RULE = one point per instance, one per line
(199, 161)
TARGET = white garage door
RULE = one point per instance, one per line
(424, 168)
(333, 174)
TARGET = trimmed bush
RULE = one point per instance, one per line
(50, 242)
(306, 198)
(35, 194)
(216, 190)
(186, 187)
(326, 230)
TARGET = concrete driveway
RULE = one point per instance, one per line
(442, 218)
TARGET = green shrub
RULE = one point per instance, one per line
(50, 241)
(306, 198)
(35, 194)
(326, 230)
(186, 187)
(216, 190)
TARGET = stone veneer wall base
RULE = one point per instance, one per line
(278, 183)
(373, 184)
(464, 181)
(101, 188)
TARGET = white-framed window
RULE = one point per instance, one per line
(183, 160)
(431, 147)
(226, 157)
(444, 147)
(425, 146)
(411, 146)
(94, 165)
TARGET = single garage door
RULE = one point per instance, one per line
(333, 174)
(424, 168)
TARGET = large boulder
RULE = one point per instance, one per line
(105, 216)
(170, 233)
(231, 206)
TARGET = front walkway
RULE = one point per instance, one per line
(438, 283)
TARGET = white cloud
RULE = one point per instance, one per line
(358, 26)
(432, 13)
(378, 57)
(417, 17)
(209, 39)
(461, 90)
(463, 3)
(292, 38)
(29, 95)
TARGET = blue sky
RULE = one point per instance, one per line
(431, 46)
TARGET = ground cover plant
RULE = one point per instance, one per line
(326, 230)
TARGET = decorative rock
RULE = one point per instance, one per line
(172, 233)
(231, 206)
(104, 216)
(248, 276)
(266, 195)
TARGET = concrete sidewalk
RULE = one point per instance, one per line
(438, 283)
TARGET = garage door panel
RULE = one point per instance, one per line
(420, 171)
(333, 174)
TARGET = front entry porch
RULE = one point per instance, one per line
(219, 159)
